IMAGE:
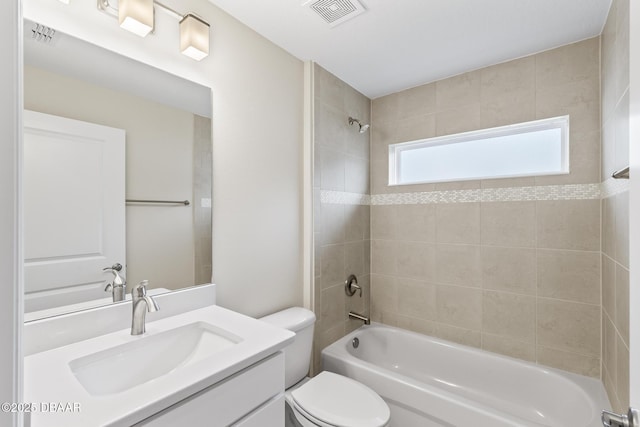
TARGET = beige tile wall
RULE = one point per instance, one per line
(202, 187)
(341, 232)
(615, 209)
(517, 278)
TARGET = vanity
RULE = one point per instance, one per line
(194, 366)
(138, 195)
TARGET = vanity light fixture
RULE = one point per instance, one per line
(194, 37)
(137, 16)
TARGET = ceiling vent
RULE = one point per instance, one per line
(335, 12)
(43, 34)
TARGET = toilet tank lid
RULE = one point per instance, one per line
(293, 319)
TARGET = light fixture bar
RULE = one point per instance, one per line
(169, 11)
(137, 16)
(105, 6)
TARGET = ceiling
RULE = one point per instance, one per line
(399, 44)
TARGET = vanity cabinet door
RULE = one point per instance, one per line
(270, 414)
(230, 400)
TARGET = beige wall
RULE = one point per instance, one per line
(521, 278)
(341, 231)
(257, 135)
(159, 165)
(615, 208)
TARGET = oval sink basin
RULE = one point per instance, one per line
(137, 362)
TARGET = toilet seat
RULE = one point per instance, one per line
(332, 400)
(307, 420)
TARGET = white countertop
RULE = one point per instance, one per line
(48, 377)
(70, 308)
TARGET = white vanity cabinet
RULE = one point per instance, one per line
(250, 398)
(204, 367)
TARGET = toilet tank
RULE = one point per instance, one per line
(297, 355)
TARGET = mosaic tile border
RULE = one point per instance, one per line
(342, 198)
(509, 194)
(612, 186)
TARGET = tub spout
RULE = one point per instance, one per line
(365, 319)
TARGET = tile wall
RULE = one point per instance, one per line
(519, 276)
(202, 187)
(615, 208)
(341, 229)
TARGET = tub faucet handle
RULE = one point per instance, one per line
(351, 286)
(630, 419)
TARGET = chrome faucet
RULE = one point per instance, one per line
(365, 319)
(142, 303)
(118, 288)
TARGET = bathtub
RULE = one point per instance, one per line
(430, 382)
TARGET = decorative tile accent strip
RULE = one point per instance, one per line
(612, 186)
(451, 196)
(342, 198)
(509, 194)
(568, 192)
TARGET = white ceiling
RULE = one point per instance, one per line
(398, 44)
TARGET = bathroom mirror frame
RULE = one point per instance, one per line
(181, 97)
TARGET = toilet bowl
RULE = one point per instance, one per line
(328, 399)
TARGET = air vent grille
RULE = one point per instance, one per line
(336, 12)
(42, 33)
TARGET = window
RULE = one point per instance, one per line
(533, 148)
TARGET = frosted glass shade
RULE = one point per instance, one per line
(194, 37)
(136, 16)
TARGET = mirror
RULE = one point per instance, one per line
(81, 102)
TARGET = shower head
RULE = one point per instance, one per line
(362, 128)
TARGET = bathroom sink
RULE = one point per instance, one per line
(144, 359)
(121, 380)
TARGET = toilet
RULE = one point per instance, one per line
(328, 399)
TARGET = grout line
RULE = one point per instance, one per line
(537, 249)
(601, 229)
(568, 301)
(482, 289)
(482, 305)
(426, 242)
(571, 352)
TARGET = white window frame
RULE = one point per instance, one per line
(560, 122)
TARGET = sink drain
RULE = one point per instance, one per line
(355, 342)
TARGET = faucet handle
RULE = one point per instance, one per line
(140, 290)
(115, 267)
(117, 279)
(351, 286)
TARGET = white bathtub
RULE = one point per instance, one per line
(430, 382)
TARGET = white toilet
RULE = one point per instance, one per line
(328, 399)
